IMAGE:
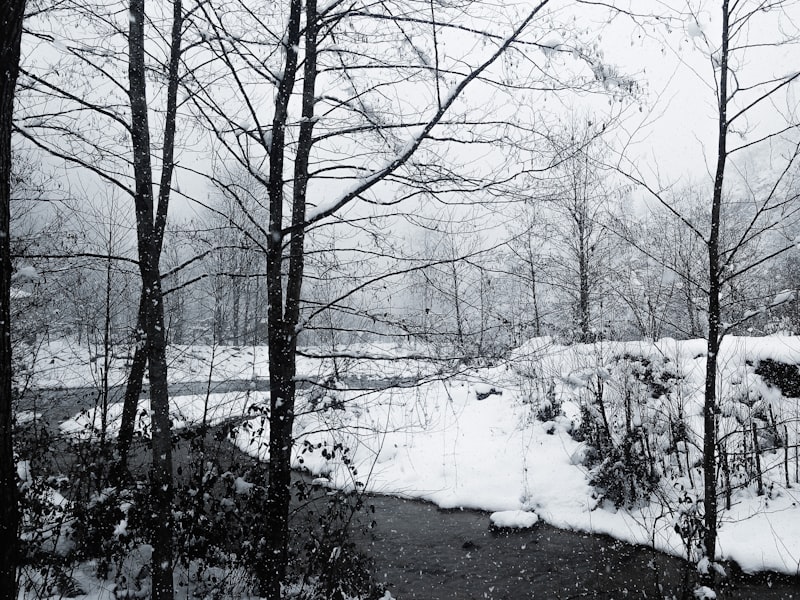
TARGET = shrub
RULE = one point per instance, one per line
(626, 474)
(619, 422)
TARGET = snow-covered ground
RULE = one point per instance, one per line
(475, 441)
(63, 363)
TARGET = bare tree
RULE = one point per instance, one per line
(577, 211)
(752, 113)
(528, 253)
(119, 102)
(659, 270)
(337, 140)
(738, 100)
(11, 16)
(456, 297)
(155, 223)
(150, 235)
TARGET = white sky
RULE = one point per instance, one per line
(669, 126)
(676, 135)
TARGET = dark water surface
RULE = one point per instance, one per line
(422, 552)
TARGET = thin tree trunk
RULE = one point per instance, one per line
(247, 317)
(537, 327)
(583, 293)
(219, 330)
(714, 329)
(690, 312)
(237, 293)
(106, 351)
(483, 319)
(133, 388)
(457, 306)
(11, 15)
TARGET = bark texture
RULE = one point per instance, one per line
(714, 310)
(149, 252)
(11, 15)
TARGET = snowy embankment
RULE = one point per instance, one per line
(64, 363)
(516, 449)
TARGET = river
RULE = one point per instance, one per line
(422, 552)
(425, 553)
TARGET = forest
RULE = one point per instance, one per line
(264, 263)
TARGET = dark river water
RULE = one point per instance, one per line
(422, 552)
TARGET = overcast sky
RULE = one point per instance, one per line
(675, 133)
(668, 129)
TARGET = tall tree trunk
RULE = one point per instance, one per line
(133, 388)
(537, 326)
(483, 313)
(583, 302)
(104, 391)
(283, 320)
(11, 15)
(714, 329)
(237, 295)
(247, 318)
(690, 311)
(457, 307)
(149, 252)
(218, 332)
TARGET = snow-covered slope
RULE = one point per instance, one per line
(507, 438)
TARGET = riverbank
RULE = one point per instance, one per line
(509, 437)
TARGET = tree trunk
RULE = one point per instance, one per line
(483, 312)
(133, 390)
(283, 321)
(281, 420)
(219, 330)
(247, 318)
(104, 391)
(690, 311)
(237, 293)
(149, 252)
(710, 424)
(133, 387)
(583, 302)
(583, 281)
(457, 306)
(11, 15)
(714, 329)
(537, 326)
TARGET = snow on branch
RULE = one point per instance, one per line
(411, 146)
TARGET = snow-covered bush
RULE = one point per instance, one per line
(540, 393)
(549, 405)
(329, 564)
(627, 474)
(622, 418)
(48, 536)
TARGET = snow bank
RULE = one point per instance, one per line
(439, 443)
(184, 411)
(513, 519)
